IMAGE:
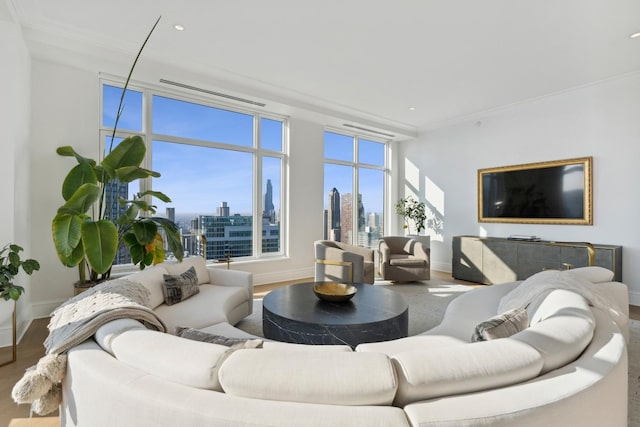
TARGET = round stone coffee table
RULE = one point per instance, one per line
(295, 314)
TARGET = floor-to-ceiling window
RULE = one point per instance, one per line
(355, 173)
(222, 167)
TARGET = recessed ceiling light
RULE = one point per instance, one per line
(412, 108)
(178, 27)
(635, 35)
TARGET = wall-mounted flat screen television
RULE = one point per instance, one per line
(555, 192)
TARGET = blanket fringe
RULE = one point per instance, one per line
(40, 384)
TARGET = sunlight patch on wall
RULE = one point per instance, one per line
(412, 179)
(434, 197)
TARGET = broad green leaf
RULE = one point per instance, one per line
(80, 174)
(145, 231)
(66, 233)
(131, 173)
(158, 250)
(148, 258)
(82, 199)
(129, 152)
(172, 233)
(14, 259)
(30, 265)
(157, 194)
(68, 151)
(100, 239)
(14, 292)
(75, 258)
(128, 216)
(140, 204)
(137, 253)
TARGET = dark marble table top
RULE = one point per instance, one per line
(295, 314)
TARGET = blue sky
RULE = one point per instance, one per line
(370, 181)
(198, 179)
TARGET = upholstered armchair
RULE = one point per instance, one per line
(337, 261)
(403, 259)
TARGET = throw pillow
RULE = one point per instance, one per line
(179, 287)
(196, 335)
(502, 325)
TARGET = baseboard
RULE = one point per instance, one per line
(44, 309)
(282, 276)
(441, 266)
(634, 298)
(6, 333)
(6, 336)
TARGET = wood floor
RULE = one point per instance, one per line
(31, 349)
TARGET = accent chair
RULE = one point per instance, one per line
(337, 261)
(404, 259)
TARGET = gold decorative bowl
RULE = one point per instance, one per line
(334, 292)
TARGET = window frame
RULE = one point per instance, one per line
(257, 152)
(355, 164)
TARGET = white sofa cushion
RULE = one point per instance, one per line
(401, 345)
(196, 262)
(106, 333)
(175, 359)
(463, 368)
(593, 274)
(561, 327)
(207, 308)
(324, 377)
(151, 278)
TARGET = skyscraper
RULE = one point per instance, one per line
(170, 213)
(269, 209)
(333, 217)
(113, 192)
(346, 211)
(223, 209)
(347, 233)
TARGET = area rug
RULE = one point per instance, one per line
(427, 303)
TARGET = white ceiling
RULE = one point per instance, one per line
(448, 59)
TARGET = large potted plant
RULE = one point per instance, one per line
(87, 230)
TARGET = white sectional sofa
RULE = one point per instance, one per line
(225, 295)
(568, 367)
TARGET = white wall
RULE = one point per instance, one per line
(14, 118)
(600, 120)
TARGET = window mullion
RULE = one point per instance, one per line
(257, 189)
(147, 128)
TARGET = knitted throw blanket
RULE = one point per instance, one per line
(73, 322)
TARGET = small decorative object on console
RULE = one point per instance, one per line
(523, 238)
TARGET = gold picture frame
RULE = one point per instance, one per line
(554, 192)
